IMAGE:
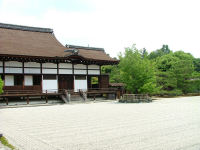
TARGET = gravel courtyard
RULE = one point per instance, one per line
(167, 124)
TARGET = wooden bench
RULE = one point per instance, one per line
(27, 94)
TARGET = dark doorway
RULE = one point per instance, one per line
(66, 82)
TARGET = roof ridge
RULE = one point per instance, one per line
(85, 47)
(25, 28)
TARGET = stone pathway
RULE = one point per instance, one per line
(168, 124)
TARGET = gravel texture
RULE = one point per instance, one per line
(2, 147)
(166, 124)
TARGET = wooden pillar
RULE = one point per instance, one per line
(73, 69)
(73, 75)
(100, 69)
(87, 69)
(3, 67)
(41, 68)
(57, 68)
(41, 77)
(23, 82)
(23, 67)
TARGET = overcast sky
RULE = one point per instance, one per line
(112, 24)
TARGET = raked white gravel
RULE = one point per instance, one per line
(167, 124)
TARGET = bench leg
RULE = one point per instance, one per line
(46, 99)
(6, 101)
(27, 99)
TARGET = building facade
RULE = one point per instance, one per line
(33, 59)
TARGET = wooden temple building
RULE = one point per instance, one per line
(32, 58)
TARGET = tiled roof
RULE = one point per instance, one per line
(25, 28)
(32, 41)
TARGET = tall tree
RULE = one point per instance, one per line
(137, 72)
(175, 71)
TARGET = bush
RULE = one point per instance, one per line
(1, 86)
(176, 92)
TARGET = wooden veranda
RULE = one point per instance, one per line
(27, 95)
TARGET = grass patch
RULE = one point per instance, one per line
(5, 142)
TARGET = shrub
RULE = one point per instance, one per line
(1, 86)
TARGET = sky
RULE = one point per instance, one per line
(112, 24)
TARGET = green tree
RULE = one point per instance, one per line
(137, 72)
(175, 71)
(197, 64)
(114, 73)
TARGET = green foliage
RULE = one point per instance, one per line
(137, 72)
(1, 86)
(175, 92)
(114, 73)
(193, 85)
(162, 72)
(94, 80)
(197, 64)
(160, 52)
(5, 142)
(175, 71)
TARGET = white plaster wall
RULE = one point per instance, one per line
(93, 67)
(80, 66)
(28, 80)
(96, 72)
(80, 84)
(50, 85)
(80, 71)
(13, 70)
(65, 65)
(49, 65)
(9, 80)
(13, 64)
(65, 71)
(1, 69)
(49, 71)
(31, 64)
(32, 70)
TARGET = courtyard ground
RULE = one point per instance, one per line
(166, 124)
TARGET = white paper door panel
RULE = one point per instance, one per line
(50, 86)
(80, 84)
